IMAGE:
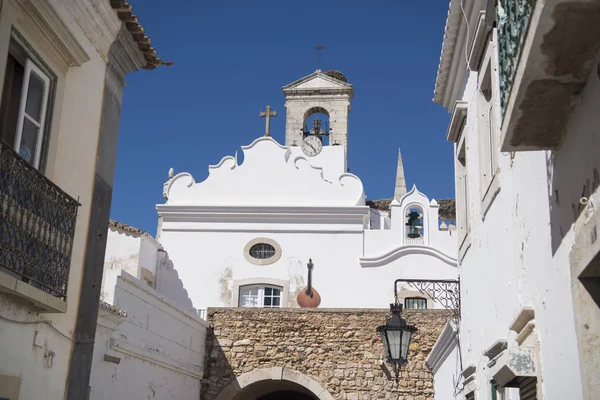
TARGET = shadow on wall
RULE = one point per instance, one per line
(569, 190)
(169, 284)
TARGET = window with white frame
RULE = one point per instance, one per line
(26, 99)
(415, 303)
(487, 109)
(462, 189)
(260, 296)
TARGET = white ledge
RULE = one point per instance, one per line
(405, 250)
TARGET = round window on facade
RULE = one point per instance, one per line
(262, 251)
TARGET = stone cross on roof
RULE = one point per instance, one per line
(268, 114)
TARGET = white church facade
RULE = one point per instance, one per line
(244, 235)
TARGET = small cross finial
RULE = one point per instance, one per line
(318, 49)
(268, 114)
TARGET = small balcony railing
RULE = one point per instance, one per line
(37, 226)
(513, 18)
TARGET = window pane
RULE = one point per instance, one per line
(35, 97)
(276, 301)
(415, 303)
(276, 292)
(28, 140)
(268, 291)
(249, 297)
(268, 301)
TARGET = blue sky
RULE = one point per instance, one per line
(233, 57)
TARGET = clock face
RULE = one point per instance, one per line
(311, 146)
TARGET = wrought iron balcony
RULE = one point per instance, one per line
(37, 226)
(546, 52)
(513, 18)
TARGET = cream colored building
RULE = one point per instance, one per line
(62, 69)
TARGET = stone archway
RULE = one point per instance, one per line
(273, 383)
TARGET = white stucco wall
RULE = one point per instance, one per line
(205, 227)
(139, 254)
(446, 377)
(160, 346)
(512, 262)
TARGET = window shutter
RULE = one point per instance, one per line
(32, 113)
(528, 389)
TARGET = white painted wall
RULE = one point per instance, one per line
(519, 252)
(160, 346)
(128, 252)
(446, 377)
(205, 227)
(123, 253)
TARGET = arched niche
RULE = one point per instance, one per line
(415, 224)
(261, 382)
(323, 115)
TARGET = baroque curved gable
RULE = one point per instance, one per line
(269, 176)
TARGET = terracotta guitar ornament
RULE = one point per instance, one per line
(309, 297)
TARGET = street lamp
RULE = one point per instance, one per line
(396, 334)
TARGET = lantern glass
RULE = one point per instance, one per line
(396, 335)
(395, 343)
(406, 335)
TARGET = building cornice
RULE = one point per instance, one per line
(451, 35)
(49, 24)
(248, 212)
(99, 23)
(446, 342)
(250, 218)
(116, 34)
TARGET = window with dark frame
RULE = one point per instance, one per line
(415, 303)
(494, 388)
(25, 103)
(262, 251)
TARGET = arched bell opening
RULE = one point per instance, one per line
(316, 122)
(275, 390)
(415, 230)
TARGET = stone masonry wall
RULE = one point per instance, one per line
(338, 348)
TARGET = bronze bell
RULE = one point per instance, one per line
(413, 232)
(413, 222)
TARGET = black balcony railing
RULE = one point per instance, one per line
(37, 225)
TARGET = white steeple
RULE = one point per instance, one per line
(400, 189)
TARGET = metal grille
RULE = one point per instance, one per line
(513, 18)
(262, 251)
(445, 292)
(37, 225)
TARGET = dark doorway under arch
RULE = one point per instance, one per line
(274, 390)
(285, 395)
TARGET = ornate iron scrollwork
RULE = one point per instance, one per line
(37, 225)
(445, 292)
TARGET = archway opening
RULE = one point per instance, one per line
(414, 229)
(274, 390)
(316, 121)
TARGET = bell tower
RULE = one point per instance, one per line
(326, 93)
